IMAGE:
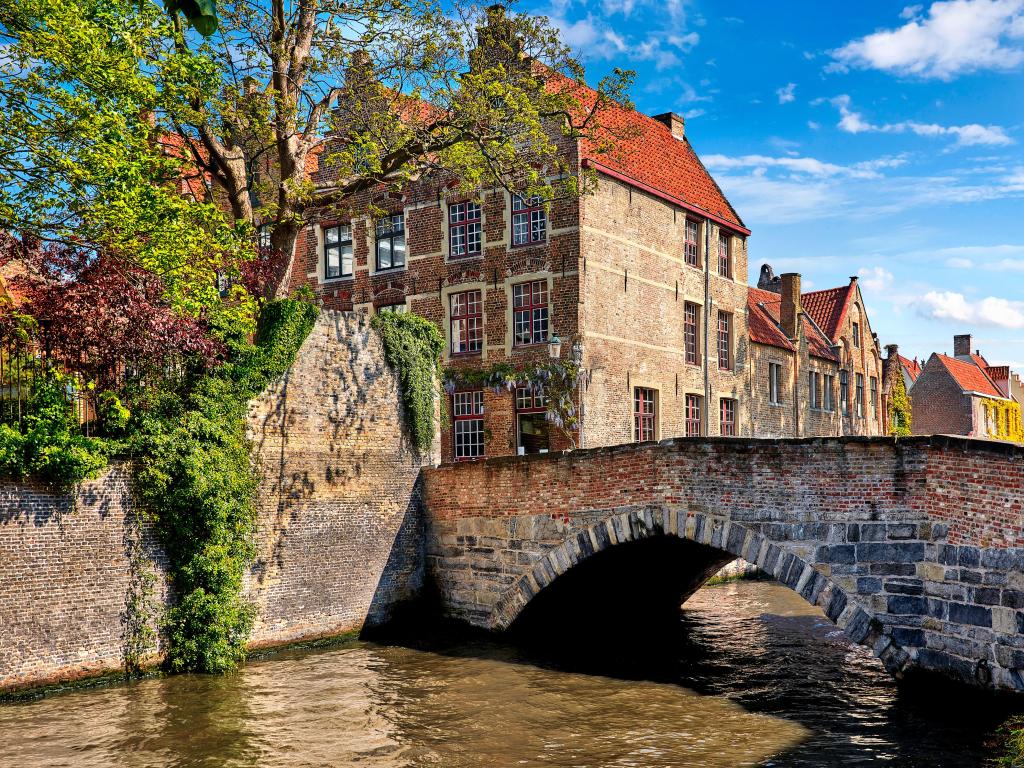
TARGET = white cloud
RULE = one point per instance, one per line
(596, 39)
(959, 262)
(969, 135)
(875, 278)
(813, 125)
(692, 113)
(992, 310)
(804, 165)
(955, 37)
(786, 94)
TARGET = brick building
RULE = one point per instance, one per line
(964, 395)
(815, 367)
(644, 281)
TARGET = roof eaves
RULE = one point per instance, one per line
(601, 168)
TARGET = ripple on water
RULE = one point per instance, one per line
(757, 677)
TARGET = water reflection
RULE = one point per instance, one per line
(756, 677)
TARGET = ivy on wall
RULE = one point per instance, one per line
(194, 477)
(900, 417)
(1003, 419)
(559, 380)
(412, 347)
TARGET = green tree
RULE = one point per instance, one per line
(382, 91)
(899, 408)
(82, 165)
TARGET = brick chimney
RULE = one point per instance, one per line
(791, 309)
(675, 123)
(962, 345)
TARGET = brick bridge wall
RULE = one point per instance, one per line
(340, 538)
(914, 548)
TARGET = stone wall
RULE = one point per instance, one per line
(339, 535)
(339, 540)
(915, 548)
(68, 562)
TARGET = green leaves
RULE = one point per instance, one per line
(193, 472)
(412, 347)
(201, 14)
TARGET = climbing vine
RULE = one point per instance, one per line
(1002, 419)
(559, 380)
(900, 418)
(412, 347)
(194, 477)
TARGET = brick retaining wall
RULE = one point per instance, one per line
(339, 531)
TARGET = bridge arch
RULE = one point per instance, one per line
(717, 532)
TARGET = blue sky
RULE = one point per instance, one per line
(869, 138)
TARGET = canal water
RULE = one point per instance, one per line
(753, 676)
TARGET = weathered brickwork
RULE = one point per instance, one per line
(832, 338)
(338, 527)
(339, 543)
(911, 547)
(66, 569)
(634, 287)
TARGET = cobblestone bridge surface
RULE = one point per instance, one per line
(914, 548)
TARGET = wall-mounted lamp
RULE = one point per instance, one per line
(554, 347)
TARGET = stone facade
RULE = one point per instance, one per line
(339, 534)
(915, 551)
(823, 344)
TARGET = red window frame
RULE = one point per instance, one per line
(691, 247)
(727, 425)
(468, 424)
(690, 336)
(529, 221)
(465, 230)
(692, 413)
(645, 405)
(530, 313)
(724, 255)
(466, 323)
(724, 341)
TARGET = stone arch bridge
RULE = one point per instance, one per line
(914, 548)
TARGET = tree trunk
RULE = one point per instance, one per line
(283, 241)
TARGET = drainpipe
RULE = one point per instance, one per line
(706, 416)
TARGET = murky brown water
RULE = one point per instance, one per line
(754, 677)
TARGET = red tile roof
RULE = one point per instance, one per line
(828, 308)
(646, 153)
(762, 320)
(969, 377)
(764, 325)
(912, 367)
